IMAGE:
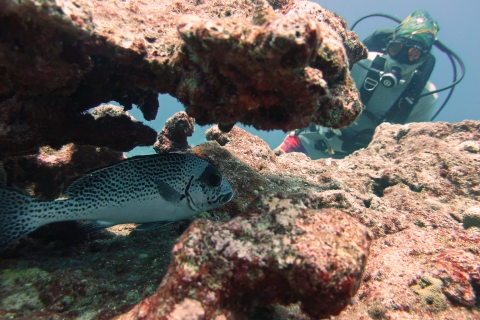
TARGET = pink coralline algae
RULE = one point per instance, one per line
(273, 65)
(281, 253)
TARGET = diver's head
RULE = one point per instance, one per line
(411, 43)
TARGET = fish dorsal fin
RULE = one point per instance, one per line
(152, 225)
(98, 176)
(167, 192)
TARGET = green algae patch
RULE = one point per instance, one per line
(26, 276)
(18, 291)
(430, 293)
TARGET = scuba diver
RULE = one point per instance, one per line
(393, 86)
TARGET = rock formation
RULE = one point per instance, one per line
(417, 188)
(274, 65)
(390, 232)
(174, 135)
(280, 252)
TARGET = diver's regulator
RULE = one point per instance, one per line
(390, 79)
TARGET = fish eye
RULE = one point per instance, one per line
(214, 179)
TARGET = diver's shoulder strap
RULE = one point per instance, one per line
(402, 108)
(372, 79)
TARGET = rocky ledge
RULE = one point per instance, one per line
(270, 64)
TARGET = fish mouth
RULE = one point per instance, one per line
(226, 197)
(192, 204)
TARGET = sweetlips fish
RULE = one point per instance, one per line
(150, 190)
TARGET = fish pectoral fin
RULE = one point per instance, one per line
(167, 192)
(96, 225)
(153, 225)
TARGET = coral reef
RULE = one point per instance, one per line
(287, 86)
(281, 252)
(61, 280)
(27, 125)
(413, 188)
(416, 188)
(293, 243)
(274, 65)
(173, 137)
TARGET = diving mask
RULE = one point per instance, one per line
(406, 51)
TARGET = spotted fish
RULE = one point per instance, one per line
(149, 190)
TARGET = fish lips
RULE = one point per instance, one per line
(226, 197)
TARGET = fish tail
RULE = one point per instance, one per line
(20, 214)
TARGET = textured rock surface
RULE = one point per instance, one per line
(46, 173)
(106, 126)
(282, 65)
(64, 279)
(413, 187)
(174, 135)
(281, 252)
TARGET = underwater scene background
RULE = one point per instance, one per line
(233, 228)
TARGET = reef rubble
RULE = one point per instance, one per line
(273, 65)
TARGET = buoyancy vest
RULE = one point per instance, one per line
(321, 142)
(400, 109)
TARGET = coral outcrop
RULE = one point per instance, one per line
(46, 173)
(174, 135)
(274, 65)
(416, 187)
(280, 253)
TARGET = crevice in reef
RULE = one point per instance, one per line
(380, 184)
